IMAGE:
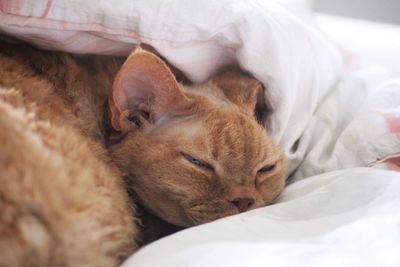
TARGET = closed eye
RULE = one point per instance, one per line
(197, 162)
(267, 168)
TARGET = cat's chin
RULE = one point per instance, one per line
(210, 211)
(200, 214)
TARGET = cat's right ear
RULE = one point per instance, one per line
(144, 89)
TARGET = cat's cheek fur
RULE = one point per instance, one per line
(160, 203)
(210, 211)
(153, 174)
(273, 185)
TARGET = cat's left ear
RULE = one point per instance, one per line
(144, 89)
(246, 92)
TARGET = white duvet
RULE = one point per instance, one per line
(326, 118)
(343, 218)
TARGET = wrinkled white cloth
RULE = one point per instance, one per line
(344, 219)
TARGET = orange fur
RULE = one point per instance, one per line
(62, 200)
(213, 122)
(190, 154)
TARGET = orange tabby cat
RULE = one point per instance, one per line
(188, 154)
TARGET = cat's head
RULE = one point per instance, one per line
(193, 154)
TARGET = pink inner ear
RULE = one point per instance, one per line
(138, 93)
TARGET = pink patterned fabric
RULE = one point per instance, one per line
(393, 124)
(67, 25)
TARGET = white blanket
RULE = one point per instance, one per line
(346, 218)
(326, 118)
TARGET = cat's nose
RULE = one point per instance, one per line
(243, 204)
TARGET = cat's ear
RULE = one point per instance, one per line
(246, 92)
(144, 89)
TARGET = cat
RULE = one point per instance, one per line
(86, 141)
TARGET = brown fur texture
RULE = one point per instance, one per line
(74, 129)
(199, 153)
(62, 201)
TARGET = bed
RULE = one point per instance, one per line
(332, 83)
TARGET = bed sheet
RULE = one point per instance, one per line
(344, 219)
